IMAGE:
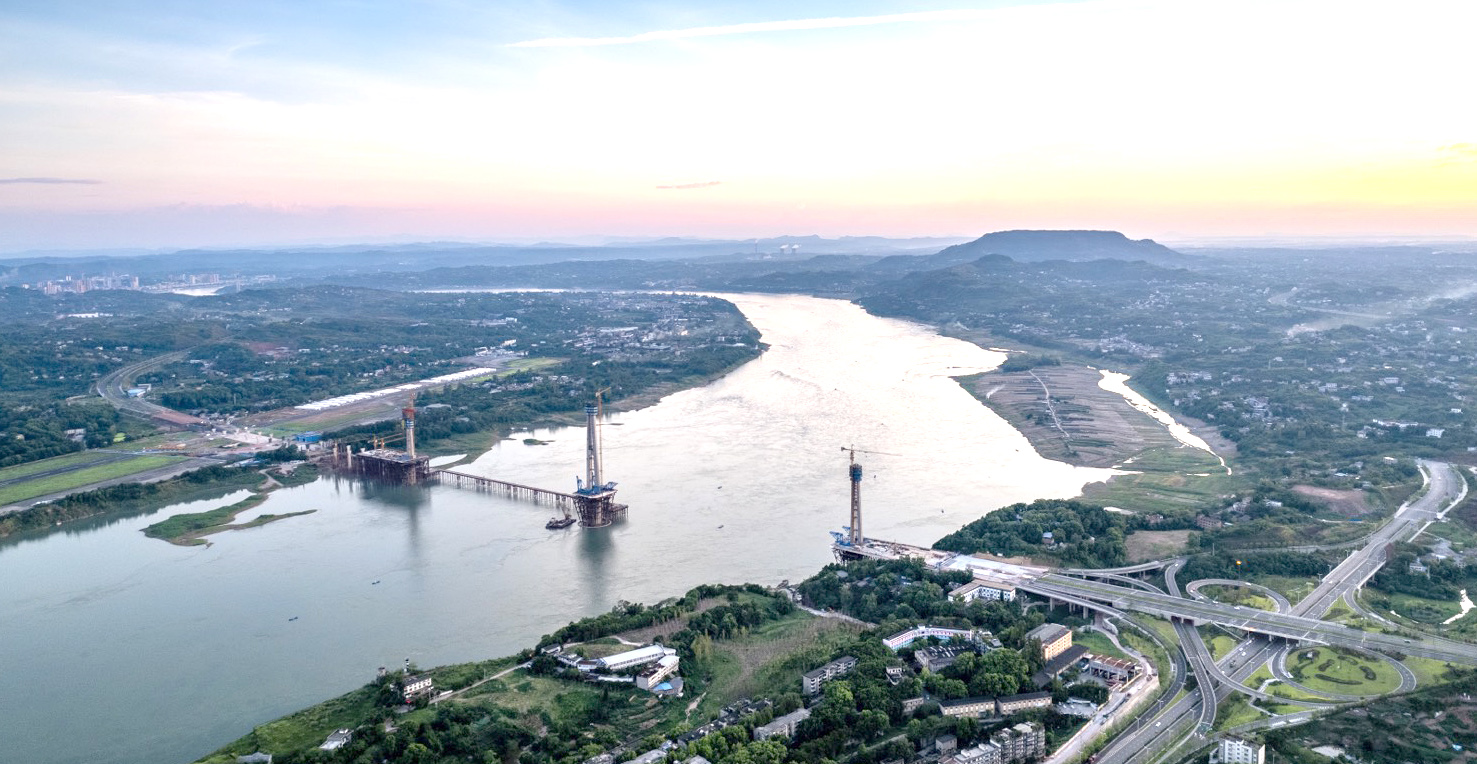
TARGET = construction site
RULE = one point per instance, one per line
(592, 504)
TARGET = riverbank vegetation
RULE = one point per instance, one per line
(742, 651)
(128, 499)
(189, 529)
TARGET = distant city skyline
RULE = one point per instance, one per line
(181, 124)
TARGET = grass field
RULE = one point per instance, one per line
(1155, 545)
(1163, 628)
(1169, 479)
(1260, 675)
(54, 463)
(1238, 595)
(1220, 645)
(304, 729)
(1418, 609)
(1151, 649)
(1294, 589)
(770, 659)
(1282, 690)
(1342, 671)
(66, 481)
(1427, 671)
(1098, 644)
(1235, 712)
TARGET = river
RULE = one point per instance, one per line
(120, 649)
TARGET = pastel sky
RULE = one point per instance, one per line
(171, 123)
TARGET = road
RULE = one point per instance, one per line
(1173, 726)
(114, 389)
(1278, 601)
(1293, 627)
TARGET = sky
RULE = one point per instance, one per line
(165, 123)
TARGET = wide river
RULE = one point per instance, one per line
(119, 648)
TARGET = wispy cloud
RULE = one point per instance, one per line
(703, 184)
(50, 181)
(1456, 153)
(793, 25)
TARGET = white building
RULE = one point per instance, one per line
(337, 740)
(784, 726)
(653, 676)
(811, 681)
(629, 658)
(650, 757)
(984, 589)
(417, 685)
(1235, 750)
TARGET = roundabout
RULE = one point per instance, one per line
(1341, 674)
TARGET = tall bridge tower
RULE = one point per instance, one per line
(594, 498)
(855, 472)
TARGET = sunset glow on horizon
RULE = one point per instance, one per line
(273, 123)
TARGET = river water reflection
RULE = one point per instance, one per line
(119, 648)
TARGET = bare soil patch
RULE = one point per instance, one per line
(1344, 502)
(1155, 545)
(1067, 417)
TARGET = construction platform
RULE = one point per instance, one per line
(390, 465)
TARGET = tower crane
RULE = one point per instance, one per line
(854, 532)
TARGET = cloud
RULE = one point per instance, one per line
(1457, 154)
(794, 25)
(703, 184)
(50, 181)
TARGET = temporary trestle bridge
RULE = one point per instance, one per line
(594, 509)
(592, 501)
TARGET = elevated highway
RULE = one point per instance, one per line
(1168, 728)
(1285, 626)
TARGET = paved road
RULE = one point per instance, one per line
(1280, 602)
(1293, 627)
(114, 389)
(1173, 726)
(1279, 670)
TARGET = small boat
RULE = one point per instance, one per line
(294, 618)
(372, 583)
(720, 527)
(555, 523)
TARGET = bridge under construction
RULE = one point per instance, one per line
(592, 502)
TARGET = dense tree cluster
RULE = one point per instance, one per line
(1082, 534)
(31, 431)
(1237, 566)
(1442, 580)
(900, 594)
(626, 616)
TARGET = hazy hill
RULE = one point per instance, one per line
(995, 284)
(1036, 246)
